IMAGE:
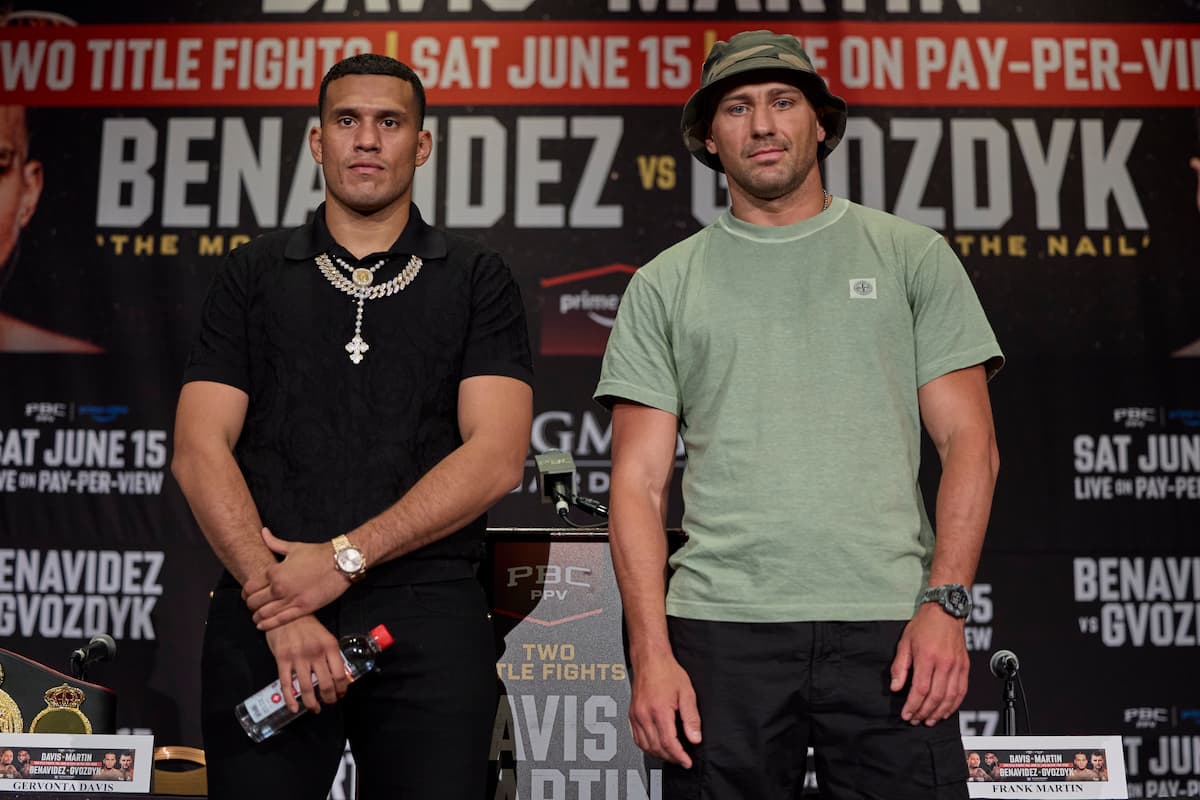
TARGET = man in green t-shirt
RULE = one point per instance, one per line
(797, 345)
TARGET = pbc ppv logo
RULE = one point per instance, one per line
(1146, 717)
(52, 412)
(45, 412)
(579, 308)
(1135, 417)
(549, 585)
(549, 580)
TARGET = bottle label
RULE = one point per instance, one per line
(269, 699)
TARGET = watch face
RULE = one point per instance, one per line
(349, 560)
(958, 602)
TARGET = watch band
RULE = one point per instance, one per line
(348, 559)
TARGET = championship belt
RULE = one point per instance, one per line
(25, 682)
(62, 714)
(10, 714)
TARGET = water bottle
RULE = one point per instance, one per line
(263, 713)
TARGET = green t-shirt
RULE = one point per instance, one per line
(792, 357)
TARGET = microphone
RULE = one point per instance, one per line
(100, 648)
(1004, 664)
(556, 477)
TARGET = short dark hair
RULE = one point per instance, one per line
(374, 64)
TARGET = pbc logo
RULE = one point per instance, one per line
(1147, 717)
(551, 580)
(45, 412)
(1135, 417)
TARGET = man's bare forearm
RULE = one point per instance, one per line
(639, 551)
(643, 462)
(221, 502)
(495, 417)
(456, 491)
(459, 489)
(958, 416)
(964, 502)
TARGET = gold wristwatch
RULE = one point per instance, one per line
(348, 559)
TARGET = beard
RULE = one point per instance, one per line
(770, 187)
(773, 182)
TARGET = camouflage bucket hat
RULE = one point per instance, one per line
(755, 51)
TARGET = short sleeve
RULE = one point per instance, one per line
(220, 352)
(639, 363)
(498, 338)
(950, 329)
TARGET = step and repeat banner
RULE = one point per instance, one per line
(1051, 143)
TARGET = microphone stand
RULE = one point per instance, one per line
(1010, 702)
(78, 669)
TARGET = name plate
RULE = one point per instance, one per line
(67, 762)
(1045, 766)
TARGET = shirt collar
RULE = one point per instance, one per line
(418, 238)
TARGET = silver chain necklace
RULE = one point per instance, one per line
(358, 286)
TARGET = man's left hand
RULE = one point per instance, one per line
(303, 582)
(934, 648)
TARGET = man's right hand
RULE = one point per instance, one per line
(306, 647)
(662, 690)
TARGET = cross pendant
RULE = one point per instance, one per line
(356, 347)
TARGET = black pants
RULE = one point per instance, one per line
(419, 727)
(769, 691)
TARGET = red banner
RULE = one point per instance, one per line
(619, 63)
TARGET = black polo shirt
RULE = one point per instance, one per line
(327, 443)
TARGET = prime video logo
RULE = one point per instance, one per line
(102, 414)
(594, 305)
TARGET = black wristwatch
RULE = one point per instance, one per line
(954, 599)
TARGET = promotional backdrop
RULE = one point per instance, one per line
(1049, 142)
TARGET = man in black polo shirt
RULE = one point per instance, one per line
(360, 385)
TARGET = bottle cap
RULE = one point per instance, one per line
(381, 636)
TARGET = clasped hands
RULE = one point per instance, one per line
(304, 581)
(283, 599)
